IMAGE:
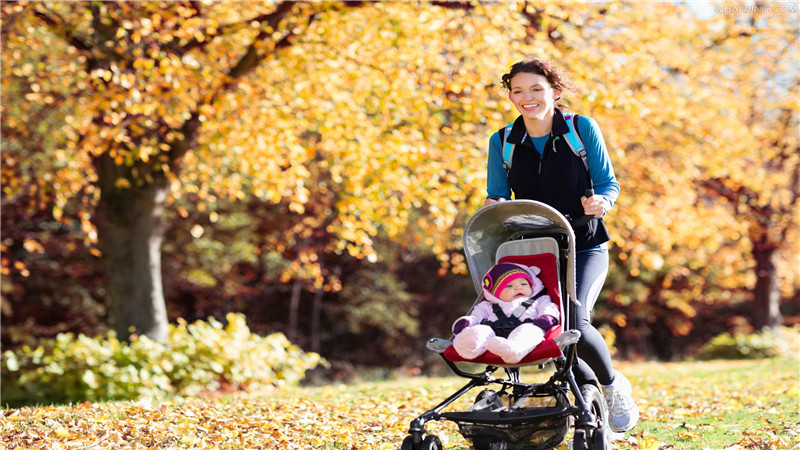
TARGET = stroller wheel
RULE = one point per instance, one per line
(590, 440)
(431, 442)
(599, 441)
(579, 440)
(593, 438)
(408, 444)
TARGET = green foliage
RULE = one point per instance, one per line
(740, 345)
(378, 299)
(197, 357)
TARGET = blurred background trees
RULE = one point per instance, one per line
(312, 164)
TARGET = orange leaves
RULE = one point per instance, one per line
(33, 246)
(782, 435)
(382, 119)
(684, 405)
(122, 183)
(646, 443)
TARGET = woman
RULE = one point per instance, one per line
(544, 168)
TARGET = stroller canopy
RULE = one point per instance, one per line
(504, 221)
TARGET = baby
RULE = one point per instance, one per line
(506, 322)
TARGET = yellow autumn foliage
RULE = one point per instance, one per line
(387, 108)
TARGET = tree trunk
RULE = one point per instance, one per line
(766, 301)
(316, 315)
(129, 232)
(294, 307)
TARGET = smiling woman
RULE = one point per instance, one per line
(534, 98)
(535, 87)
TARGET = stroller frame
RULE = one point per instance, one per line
(489, 424)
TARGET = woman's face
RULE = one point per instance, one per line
(532, 95)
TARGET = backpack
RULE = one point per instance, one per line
(575, 143)
(572, 137)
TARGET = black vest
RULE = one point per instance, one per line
(557, 178)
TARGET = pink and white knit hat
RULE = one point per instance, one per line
(500, 275)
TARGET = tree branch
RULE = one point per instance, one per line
(451, 4)
(58, 28)
(736, 195)
(252, 57)
(179, 148)
(272, 19)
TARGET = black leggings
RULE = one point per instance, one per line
(594, 359)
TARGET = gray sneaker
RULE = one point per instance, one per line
(621, 408)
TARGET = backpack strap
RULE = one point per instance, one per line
(520, 310)
(508, 147)
(574, 139)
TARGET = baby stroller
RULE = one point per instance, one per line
(512, 414)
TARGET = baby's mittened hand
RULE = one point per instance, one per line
(545, 322)
(460, 324)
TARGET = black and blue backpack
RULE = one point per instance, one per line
(572, 137)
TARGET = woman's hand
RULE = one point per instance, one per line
(594, 206)
(489, 201)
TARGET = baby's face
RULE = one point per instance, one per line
(517, 288)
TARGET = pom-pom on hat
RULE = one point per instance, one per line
(500, 275)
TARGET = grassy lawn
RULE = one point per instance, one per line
(718, 404)
(685, 405)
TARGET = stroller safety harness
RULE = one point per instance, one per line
(506, 324)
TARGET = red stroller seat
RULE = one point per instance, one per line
(548, 348)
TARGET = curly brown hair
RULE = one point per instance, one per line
(555, 76)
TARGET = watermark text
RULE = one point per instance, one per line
(775, 8)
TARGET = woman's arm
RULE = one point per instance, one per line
(497, 187)
(600, 167)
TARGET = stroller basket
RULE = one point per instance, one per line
(534, 422)
(527, 435)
